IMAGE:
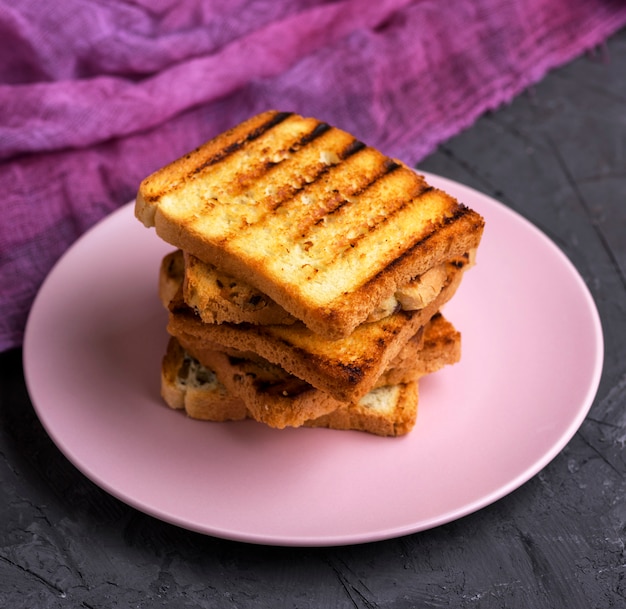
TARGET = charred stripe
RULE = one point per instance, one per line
(278, 118)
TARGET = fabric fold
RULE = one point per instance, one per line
(103, 107)
(95, 96)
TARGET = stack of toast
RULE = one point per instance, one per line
(308, 278)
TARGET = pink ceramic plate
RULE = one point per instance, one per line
(532, 359)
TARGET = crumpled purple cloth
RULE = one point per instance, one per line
(94, 95)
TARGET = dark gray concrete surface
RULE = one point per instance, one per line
(557, 154)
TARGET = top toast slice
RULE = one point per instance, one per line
(324, 225)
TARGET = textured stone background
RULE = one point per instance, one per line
(557, 155)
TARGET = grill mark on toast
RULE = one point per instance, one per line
(338, 203)
(221, 154)
(352, 148)
(334, 203)
(239, 144)
(388, 167)
(253, 163)
(288, 195)
(290, 188)
(351, 372)
(457, 214)
(318, 130)
(307, 138)
(386, 218)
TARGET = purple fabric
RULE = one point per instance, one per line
(96, 95)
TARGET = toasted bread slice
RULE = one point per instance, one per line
(279, 399)
(386, 411)
(346, 368)
(324, 225)
(188, 385)
(217, 297)
(271, 395)
(389, 409)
